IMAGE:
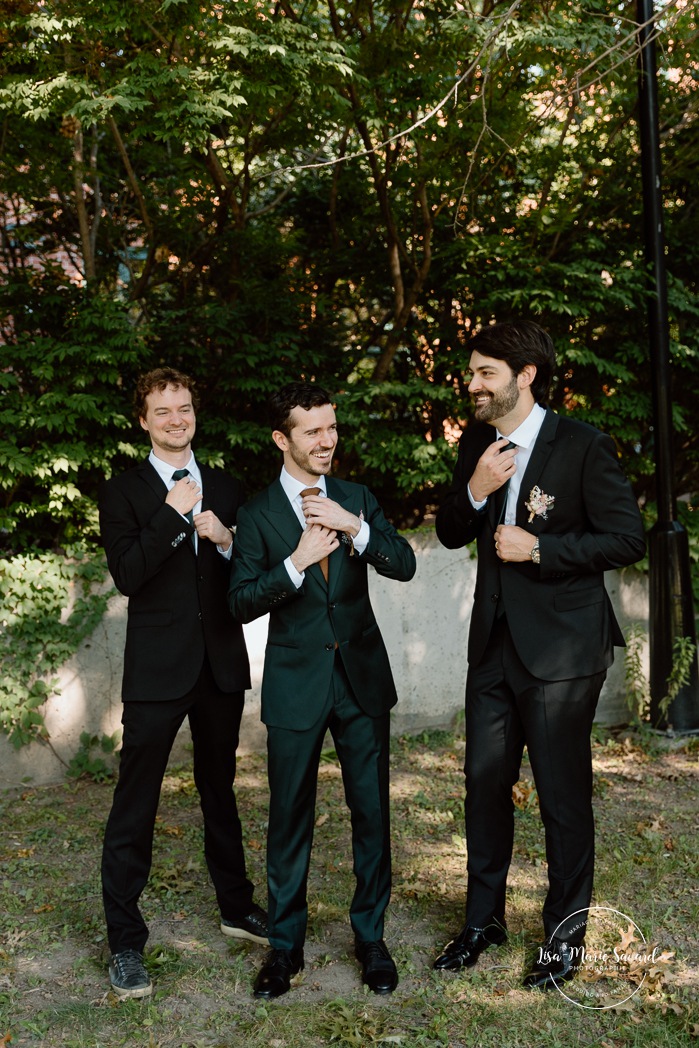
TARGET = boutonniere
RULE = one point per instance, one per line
(539, 503)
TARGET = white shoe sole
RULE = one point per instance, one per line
(240, 933)
(137, 991)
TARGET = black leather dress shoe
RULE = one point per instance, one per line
(274, 977)
(378, 969)
(469, 944)
(557, 961)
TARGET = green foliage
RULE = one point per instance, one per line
(86, 765)
(637, 685)
(684, 653)
(63, 407)
(638, 697)
(260, 191)
(352, 1027)
(49, 605)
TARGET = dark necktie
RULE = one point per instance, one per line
(504, 490)
(177, 475)
(324, 562)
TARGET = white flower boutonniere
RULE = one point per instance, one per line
(539, 503)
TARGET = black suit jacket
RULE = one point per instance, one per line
(178, 606)
(309, 625)
(559, 614)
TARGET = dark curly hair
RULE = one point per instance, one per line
(160, 379)
(304, 395)
(520, 344)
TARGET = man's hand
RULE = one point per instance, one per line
(315, 543)
(320, 510)
(184, 496)
(512, 544)
(210, 527)
(494, 467)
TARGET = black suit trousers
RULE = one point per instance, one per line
(149, 733)
(506, 709)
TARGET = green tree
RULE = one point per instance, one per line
(255, 191)
(136, 229)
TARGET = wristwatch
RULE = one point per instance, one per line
(536, 553)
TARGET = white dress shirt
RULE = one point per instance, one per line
(292, 490)
(524, 437)
(165, 471)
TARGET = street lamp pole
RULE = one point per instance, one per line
(671, 610)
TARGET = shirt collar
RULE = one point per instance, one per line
(527, 431)
(166, 469)
(293, 488)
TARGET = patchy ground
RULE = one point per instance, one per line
(53, 983)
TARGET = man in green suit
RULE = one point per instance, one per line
(302, 550)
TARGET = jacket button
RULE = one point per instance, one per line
(329, 647)
(332, 606)
(495, 597)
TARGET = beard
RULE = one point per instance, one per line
(310, 465)
(500, 403)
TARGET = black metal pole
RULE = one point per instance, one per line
(671, 610)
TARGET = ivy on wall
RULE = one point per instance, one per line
(50, 601)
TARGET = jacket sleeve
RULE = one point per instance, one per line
(256, 587)
(458, 523)
(388, 552)
(136, 551)
(611, 529)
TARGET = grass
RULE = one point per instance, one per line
(53, 984)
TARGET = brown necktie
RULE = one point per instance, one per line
(324, 562)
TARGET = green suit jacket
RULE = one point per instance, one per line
(308, 625)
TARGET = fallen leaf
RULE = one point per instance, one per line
(627, 938)
(521, 793)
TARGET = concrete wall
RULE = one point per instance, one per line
(424, 622)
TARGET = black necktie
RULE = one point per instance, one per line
(177, 475)
(505, 489)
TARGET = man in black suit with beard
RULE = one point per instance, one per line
(167, 529)
(551, 511)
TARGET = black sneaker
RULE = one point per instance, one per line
(128, 975)
(252, 927)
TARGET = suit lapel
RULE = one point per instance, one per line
(149, 474)
(336, 561)
(283, 519)
(496, 502)
(281, 516)
(496, 505)
(543, 445)
(208, 483)
(208, 501)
